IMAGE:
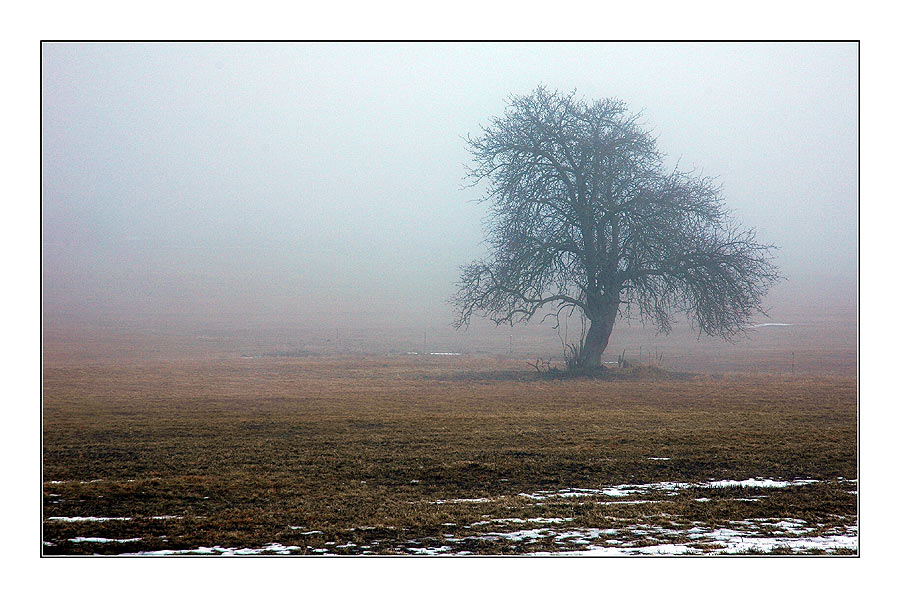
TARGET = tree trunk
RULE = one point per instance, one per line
(597, 339)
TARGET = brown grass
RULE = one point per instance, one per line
(246, 452)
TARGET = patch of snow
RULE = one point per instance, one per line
(520, 535)
(613, 491)
(791, 524)
(658, 550)
(103, 540)
(617, 491)
(429, 551)
(735, 541)
(517, 520)
(77, 519)
(746, 536)
(623, 490)
(599, 550)
(754, 483)
(95, 519)
(274, 548)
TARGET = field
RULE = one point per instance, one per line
(243, 453)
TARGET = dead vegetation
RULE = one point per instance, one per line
(368, 455)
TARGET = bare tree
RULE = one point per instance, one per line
(584, 216)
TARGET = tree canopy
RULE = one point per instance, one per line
(584, 215)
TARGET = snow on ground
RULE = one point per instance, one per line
(670, 487)
(430, 551)
(517, 520)
(757, 535)
(104, 540)
(754, 483)
(96, 481)
(76, 519)
(74, 482)
(79, 519)
(745, 536)
(274, 548)
(766, 535)
(661, 549)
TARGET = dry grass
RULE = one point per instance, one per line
(247, 452)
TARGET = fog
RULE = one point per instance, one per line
(322, 184)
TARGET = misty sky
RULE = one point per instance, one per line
(259, 183)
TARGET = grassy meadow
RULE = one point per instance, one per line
(440, 454)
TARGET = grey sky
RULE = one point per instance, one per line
(322, 182)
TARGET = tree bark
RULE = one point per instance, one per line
(598, 338)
